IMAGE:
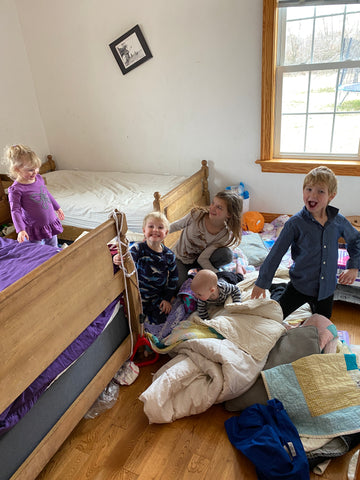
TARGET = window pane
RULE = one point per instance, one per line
(292, 133)
(353, 8)
(329, 9)
(352, 37)
(295, 13)
(319, 133)
(295, 87)
(346, 134)
(322, 91)
(298, 42)
(327, 39)
(318, 100)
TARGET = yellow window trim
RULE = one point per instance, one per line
(267, 160)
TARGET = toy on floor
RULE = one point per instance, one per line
(143, 354)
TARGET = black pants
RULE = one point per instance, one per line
(221, 256)
(290, 299)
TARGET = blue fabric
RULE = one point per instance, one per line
(314, 250)
(266, 435)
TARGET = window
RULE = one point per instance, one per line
(311, 86)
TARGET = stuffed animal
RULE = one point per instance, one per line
(253, 221)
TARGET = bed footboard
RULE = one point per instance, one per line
(179, 201)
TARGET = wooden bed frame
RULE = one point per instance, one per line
(174, 204)
(43, 312)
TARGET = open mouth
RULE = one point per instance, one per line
(312, 204)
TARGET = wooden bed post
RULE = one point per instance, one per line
(48, 166)
(156, 202)
(205, 170)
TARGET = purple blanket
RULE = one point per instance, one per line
(18, 259)
(15, 261)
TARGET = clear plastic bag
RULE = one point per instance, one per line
(105, 401)
(352, 466)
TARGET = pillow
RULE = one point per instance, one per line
(253, 248)
(292, 345)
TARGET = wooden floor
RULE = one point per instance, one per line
(120, 443)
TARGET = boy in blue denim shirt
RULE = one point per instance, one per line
(313, 235)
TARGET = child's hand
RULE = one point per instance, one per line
(165, 307)
(258, 292)
(347, 277)
(117, 259)
(60, 214)
(22, 236)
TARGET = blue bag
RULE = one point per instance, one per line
(266, 436)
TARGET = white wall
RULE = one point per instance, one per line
(20, 120)
(198, 97)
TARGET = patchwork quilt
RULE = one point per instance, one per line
(321, 393)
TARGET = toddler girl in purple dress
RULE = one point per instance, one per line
(36, 214)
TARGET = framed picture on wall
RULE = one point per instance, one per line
(130, 50)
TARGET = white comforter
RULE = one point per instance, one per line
(208, 371)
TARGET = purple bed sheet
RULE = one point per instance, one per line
(18, 259)
(15, 261)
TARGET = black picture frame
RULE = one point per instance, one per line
(130, 50)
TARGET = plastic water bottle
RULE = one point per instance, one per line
(244, 194)
(246, 201)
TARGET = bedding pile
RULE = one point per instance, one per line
(216, 360)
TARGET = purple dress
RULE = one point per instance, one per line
(33, 209)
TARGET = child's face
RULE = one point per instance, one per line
(155, 231)
(218, 210)
(27, 173)
(202, 292)
(316, 198)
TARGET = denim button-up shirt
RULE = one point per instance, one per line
(314, 250)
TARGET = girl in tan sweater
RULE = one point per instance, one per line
(207, 233)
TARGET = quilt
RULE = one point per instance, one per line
(321, 393)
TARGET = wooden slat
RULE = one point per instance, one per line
(193, 191)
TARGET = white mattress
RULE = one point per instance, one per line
(88, 198)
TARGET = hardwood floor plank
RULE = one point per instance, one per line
(120, 444)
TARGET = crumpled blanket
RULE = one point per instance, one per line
(183, 306)
(211, 370)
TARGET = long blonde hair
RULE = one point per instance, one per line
(17, 156)
(234, 207)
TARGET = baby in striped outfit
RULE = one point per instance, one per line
(208, 289)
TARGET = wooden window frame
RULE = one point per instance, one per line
(267, 161)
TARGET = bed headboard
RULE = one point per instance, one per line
(5, 215)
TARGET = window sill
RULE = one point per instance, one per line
(339, 167)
